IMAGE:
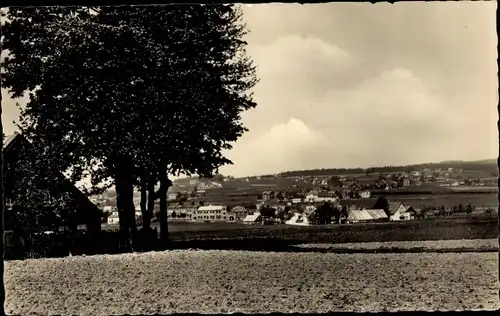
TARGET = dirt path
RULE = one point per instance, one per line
(251, 282)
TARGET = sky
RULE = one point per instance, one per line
(359, 85)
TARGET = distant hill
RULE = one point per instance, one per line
(487, 165)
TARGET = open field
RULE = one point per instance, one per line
(188, 226)
(251, 282)
(279, 237)
(463, 245)
(475, 188)
(475, 227)
(448, 200)
(432, 189)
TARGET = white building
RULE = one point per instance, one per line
(311, 196)
(252, 218)
(365, 194)
(298, 220)
(189, 211)
(377, 214)
(309, 208)
(296, 200)
(356, 216)
(172, 196)
(213, 213)
(108, 208)
(397, 211)
(113, 219)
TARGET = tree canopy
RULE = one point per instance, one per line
(131, 93)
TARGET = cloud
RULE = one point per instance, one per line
(302, 67)
(382, 84)
(283, 147)
(392, 118)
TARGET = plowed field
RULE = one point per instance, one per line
(251, 282)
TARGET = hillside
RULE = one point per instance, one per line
(488, 166)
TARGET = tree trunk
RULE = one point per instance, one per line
(125, 201)
(2, 218)
(122, 219)
(164, 185)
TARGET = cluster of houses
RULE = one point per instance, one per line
(351, 187)
(212, 202)
(214, 213)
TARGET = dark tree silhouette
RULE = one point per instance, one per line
(325, 213)
(267, 212)
(460, 208)
(382, 203)
(469, 209)
(139, 129)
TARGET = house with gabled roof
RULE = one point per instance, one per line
(240, 212)
(357, 216)
(81, 212)
(254, 218)
(378, 214)
(298, 219)
(267, 195)
(413, 212)
(325, 196)
(397, 211)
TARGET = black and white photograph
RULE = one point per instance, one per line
(250, 158)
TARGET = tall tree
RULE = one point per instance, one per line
(120, 88)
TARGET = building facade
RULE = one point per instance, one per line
(213, 213)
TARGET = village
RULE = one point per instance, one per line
(311, 200)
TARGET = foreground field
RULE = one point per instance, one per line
(251, 282)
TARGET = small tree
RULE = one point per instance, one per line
(442, 211)
(282, 215)
(267, 212)
(173, 215)
(334, 181)
(489, 211)
(280, 196)
(469, 209)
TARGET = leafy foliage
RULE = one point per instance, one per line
(130, 93)
(35, 194)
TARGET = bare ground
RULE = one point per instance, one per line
(251, 282)
(425, 244)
